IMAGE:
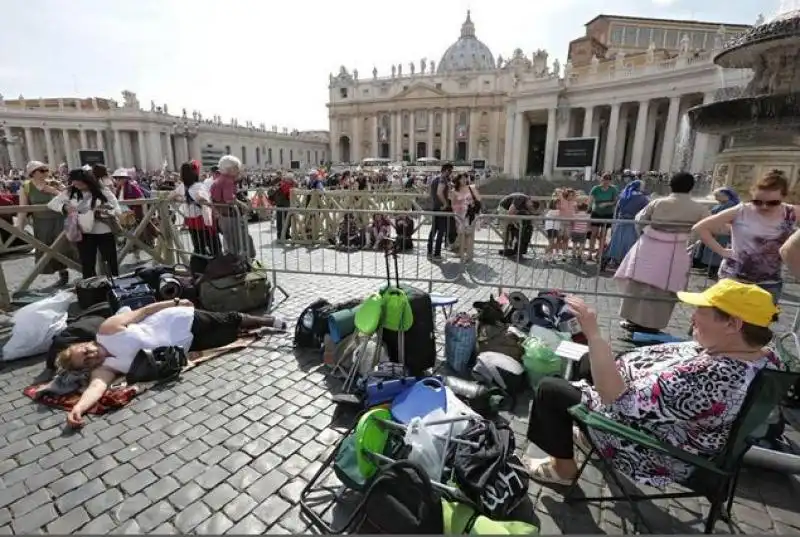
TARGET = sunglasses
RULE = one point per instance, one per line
(766, 203)
(42, 170)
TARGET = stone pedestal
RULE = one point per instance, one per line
(745, 160)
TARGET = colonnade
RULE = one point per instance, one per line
(147, 149)
(644, 135)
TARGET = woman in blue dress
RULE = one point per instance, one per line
(623, 234)
(704, 257)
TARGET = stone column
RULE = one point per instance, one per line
(197, 150)
(12, 153)
(355, 142)
(550, 143)
(398, 135)
(118, 162)
(155, 152)
(445, 140)
(29, 143)
(516, 164)
(702, 143)
(472, 139)
(493, 158)
(611, 138)
(141, 137)
(639, 136)
(429, 149)
(170, 152)
(670, 133)
(588, 121)
(84, 139)
(51, 150)
(101, 145)
(68, 156)
(412, 136)
(375, 152)
(508, 149)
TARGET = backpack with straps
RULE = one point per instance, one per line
(399, 499)
(309, 332)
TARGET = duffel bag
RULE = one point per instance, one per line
(92, 291)
(237, 292)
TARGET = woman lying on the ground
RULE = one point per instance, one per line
(163, 324)
(685, 394)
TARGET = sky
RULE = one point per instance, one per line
(268, 60)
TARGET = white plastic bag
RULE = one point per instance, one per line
(36, 324)
(425, 449)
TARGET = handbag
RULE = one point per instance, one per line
(86, 221)
(474, 208)
(460, 343)
(159, 364)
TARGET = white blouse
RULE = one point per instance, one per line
(84, 205)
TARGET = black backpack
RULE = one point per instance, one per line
(310, 329)
(488, 471)
(399, 499)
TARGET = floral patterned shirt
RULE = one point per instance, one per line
(679, 394)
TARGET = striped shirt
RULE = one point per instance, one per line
(580, 224)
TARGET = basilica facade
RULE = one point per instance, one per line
(55, 130)
(627, 83)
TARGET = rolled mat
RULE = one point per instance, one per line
(518, 300)
(341, 324)
(520, 319)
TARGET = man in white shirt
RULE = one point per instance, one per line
(172, 323)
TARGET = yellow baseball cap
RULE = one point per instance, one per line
(745, 301)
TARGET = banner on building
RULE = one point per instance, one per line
(576, 153)
(90, 157)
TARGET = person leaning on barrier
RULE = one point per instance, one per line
(516, 238)
(85, 195)
(232, 212)
(40, 189)
(790, 253)
(197, 213)
(439, 195)
(685, 394)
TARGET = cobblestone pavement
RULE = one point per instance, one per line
(228, 449)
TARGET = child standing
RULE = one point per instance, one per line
(551, 228)
(566, 210)
(579, 231)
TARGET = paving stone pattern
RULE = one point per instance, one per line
(228, 449)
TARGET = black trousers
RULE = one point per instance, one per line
(437, 234)
(281, 221)
(212, 330)
(517, 243)
(90, 245)
(205, 242)
(549, 423)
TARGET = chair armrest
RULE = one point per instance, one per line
(595, 420)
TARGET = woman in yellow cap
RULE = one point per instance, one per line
(685, 394)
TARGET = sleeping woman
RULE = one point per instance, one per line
(172, 323)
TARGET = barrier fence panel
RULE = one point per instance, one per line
(336, 235)
(352, 250)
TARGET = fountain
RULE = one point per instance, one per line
(762, 122)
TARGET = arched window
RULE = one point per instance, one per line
(269, 155)
(462, 118)
(280, 156)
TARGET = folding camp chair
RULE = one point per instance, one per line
(343, 451)
(714, 478)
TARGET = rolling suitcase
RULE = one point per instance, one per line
(416, 348)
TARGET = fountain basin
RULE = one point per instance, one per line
(762, 112)
(745, 49)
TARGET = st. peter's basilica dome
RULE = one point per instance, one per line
(466, 54)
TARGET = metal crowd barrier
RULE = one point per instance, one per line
(307, 241)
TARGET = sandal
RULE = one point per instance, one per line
(543, 471)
